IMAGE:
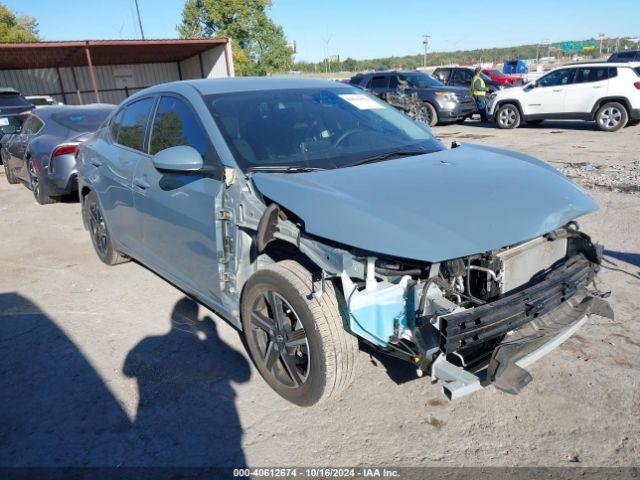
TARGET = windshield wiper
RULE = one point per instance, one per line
(283, 169)
(389, 155)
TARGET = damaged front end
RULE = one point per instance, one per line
(482, 319)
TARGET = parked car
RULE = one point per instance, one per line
(42, 154)
(607, 93)
(14, 109)
(312, 215)
(627, 56)
(41, 100)
(462, 76)
(499, 77)
(443, 104)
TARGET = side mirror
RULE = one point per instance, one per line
(178, 159)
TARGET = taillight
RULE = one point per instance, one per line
(637, 85)
(65, 150)
(23, 116)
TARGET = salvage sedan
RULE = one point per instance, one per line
(314, 217)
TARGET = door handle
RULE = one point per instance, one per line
(95, 162)
(598, 86)
(141, 183)
(559, 90)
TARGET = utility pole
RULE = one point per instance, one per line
(425, 44)
(139, 19)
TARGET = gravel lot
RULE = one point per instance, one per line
(113, 366)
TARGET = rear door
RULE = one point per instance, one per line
(115, 161)
(588, 86)
(177, 210)
(379, 84)
(442, 74)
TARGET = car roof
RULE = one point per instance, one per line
(8, 90)
(209, 86)
(48, 110)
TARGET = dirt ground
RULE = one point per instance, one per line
(112, 366)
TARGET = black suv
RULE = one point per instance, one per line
(629, 56)
(14, 109)
(443, 104)
(462, 76)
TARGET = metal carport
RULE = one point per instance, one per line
(78, 72)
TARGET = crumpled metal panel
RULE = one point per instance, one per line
(432, 207)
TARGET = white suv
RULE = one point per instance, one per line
(607, 93)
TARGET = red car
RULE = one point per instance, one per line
(498, 76)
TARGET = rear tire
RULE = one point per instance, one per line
(611, 117)
(323, 355)
(9, 174)
(36, 185)
(508, 116)
(100, 236)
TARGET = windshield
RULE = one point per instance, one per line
(13, 100)
(81, 121)
(496, 73)
(421, 80)
(313, 128)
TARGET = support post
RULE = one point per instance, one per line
(92, 74)
(64, 95)
(226, 58)
(179, 70)
(201, 66)
(75, 84)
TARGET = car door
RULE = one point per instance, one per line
(17, 146)
(177, 210)
(547, 95)
(590, 83)
(115, 161)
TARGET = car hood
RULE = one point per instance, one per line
(431, 207)
(443, 88)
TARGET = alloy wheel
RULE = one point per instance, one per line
(507, 117)
(281, 339)
(34, 178)
(610, 117)
(98, 229)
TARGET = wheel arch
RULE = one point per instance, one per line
(624, 101)
(506, 101)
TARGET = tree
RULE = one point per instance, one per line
(17, 28)
(259, 46)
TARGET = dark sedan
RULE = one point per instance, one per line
(14, 109)
(442, 103)
(42, 154)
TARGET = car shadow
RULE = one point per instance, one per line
(556, 126)
(57, 411)
(630, 258)
(399, 371)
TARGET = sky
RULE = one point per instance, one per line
(358, 28)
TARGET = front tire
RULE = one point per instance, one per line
(431, 114)
(611, 117)
(100, 236)
(508, 116)
(298, 343)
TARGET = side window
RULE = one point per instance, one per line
(379, 82)
(393, 81)
(32, 126)
(442, 75)
(613, 72)
(114, 126)
(591, 74)
(134, 123)
(175, 124)
(463, 77)
(556, 78)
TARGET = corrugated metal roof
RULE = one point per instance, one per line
(103, 52)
